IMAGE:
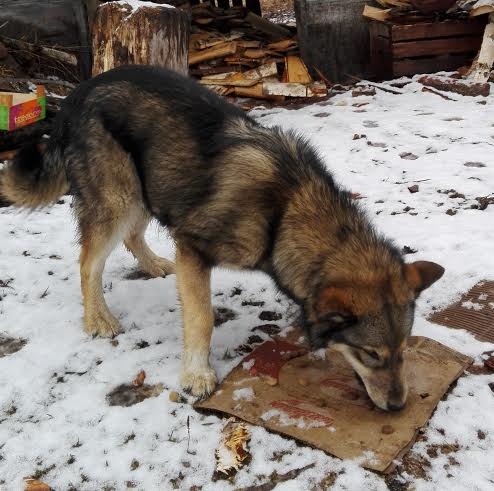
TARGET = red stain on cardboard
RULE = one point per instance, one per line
(271, 356)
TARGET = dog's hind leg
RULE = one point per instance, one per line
(97, 242)
(149, 262)
(194, 287)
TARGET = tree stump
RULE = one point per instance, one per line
(147, 34)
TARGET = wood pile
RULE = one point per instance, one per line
(237, 53)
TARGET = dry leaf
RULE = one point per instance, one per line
(139, 380)
(35, 485)
(232, 452)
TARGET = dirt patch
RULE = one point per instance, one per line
(222, 315)
(127, 394)
(10, 345)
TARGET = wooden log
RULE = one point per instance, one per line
(132, 34)
(234, 79)
(256, 92)
(462, 87)
(218, 51)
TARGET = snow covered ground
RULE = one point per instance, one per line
(55, 420)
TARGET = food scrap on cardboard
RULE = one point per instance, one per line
(285, 389)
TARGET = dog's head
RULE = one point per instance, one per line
(369, 323)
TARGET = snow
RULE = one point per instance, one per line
(137, 4)
(54, 415)
(247, 394)
(284, 420)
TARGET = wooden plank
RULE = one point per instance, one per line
(289, 90)
(317, 89)
(380, 57)
(256, 92)
(283, 45)
(437, 29)
(214, 40)
(262, 71)
(431, 47)
(249, 44)
(296, 71)
(380, 29)
(212, 53)
(375, 13)
(430, 65)
(202, 70)
(256, 54)
(234, 79)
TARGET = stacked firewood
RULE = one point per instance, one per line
(237, 53)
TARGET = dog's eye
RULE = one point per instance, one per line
(373, 354)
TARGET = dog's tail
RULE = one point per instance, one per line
(36, 177)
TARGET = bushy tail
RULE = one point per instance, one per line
(35, 178)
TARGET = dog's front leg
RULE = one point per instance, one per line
(194, 288)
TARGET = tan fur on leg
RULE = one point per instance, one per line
(98, 319)
(193, 280)
(149, 262)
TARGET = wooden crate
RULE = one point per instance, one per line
(423, 47)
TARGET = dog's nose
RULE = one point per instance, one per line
(395, 407)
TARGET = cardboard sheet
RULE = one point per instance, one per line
(321, 402)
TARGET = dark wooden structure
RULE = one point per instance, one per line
(333, 37)
(59, 24)
(423, 47)
(252, 5)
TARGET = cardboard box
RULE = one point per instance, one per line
(321, 402)
(18, 110)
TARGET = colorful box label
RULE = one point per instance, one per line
(22, 114)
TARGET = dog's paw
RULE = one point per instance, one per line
(199, 384)
(101, 324)
(157, 267)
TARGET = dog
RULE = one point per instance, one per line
(141, 142)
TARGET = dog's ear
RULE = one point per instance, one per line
(422, 274)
